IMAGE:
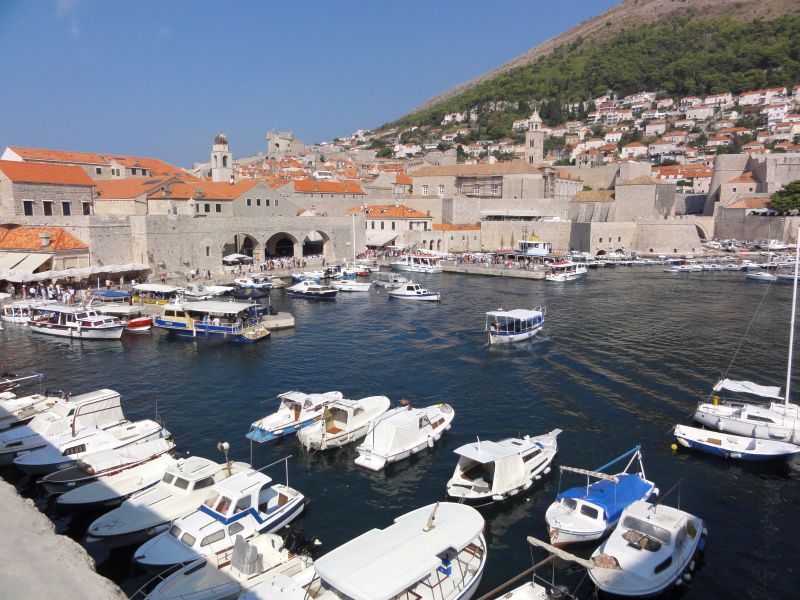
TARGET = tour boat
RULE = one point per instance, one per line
(343, 422)
(417, 263)
(505, 327)
(351, 286)
(565, 270)
(313, 275)
(75, 322)
(110, 490)
(183, 486)
(762, 276)
(389, 280)
(17, 411)
(22, 310)
(100, 408)
(132, 316)
(154, 293)
(414, 291)
(247, 282)
(245, 504)
(96, 466)
(590, 512)
(66, 449)
(402, 432)
(734, 446)
(252, 562)
(652, 548)
(492, 471)
(232, 321)
(308, 288)
(436, 552)
(296, 410)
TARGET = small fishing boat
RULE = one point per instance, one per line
(417, 263)
(75, 322)
(590, 512)
(132, 316)
(65, 450)
(313, 275)
(402, 432)
(248, 282)
(230, 321)
(296, 410)
(252, 562)
(183, 486)
(505, 327)
(652, 548)
(414, 291)
(436, 552)
(105, 463)
(734, 446)
(343, 422)
(312, 290)
(246, 504)
(565, 270)
(493, 471)
(22, 310)
(100, 408)
(762, 276)
(16, 411)
(389, 280)
(351, 286)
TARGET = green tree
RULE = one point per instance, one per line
(788, 198)
(385, 152)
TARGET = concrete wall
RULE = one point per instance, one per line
(585, 212)
(133, 206)
(735, 224)
(673, 236)
(461, 211)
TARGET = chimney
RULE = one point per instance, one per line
(198, 193)
(44, 239)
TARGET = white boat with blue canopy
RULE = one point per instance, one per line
(590, 512)
(234, 321)
(436, 552)
(297, 410)
(739, 447)
(505, 327)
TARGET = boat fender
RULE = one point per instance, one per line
(715, 400)
(687, 577)
(430, 442)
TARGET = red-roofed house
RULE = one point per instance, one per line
(387, 224)
(36, 189)
(36, 249)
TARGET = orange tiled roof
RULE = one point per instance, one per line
(403, 179)
(121, 189)
(153, 165)
(31, 172)
(41, 154)
(451, 227)
(327, 187)
(209, 190)
(643, 180)
(746, 177)
(635, 145)
(750, 203)
(389, 211)
(27, 238)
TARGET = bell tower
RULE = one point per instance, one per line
(221, 159)
(534, 140)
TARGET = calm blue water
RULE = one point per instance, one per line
(624, 355)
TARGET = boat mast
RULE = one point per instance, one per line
(791, 325)
(354, 237)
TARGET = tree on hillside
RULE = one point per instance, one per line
(385, 152)
(788, 198)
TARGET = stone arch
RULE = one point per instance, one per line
(439, 244)
(224, 160)
(601, 253)
(281, 244)
(242, 243)
(701, 232)
(316, 242)
(215, 160)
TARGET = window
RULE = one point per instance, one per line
(441, 190)
(495, 189)
(87, 208)
(214, 537)
(167, 478)
(392, 225)
(366, 225)
(133, 171)
(175, 531)
(188, 539)
(589, 511)
(207, 207)
(382, 224)
(197, 208)
(235, 528)
(276, 202)
(208, 250)
(204, 483)
(27, 207)
(373, 224)
(218, 207)
(74, 450)
(98, 170)
(266, 201)
(734, 189)
(47, 207)
(258, 201)
(66, 209)
(249, 202)
(424, 190)
(242, 504)
(459, 189)
(181, 483)
(601, 240)
(476, 189)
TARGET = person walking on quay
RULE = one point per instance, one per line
(163, 278)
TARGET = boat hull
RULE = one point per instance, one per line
(714, 444)
(104, 333)
(510, 338)
(261, 436)
(736, 427)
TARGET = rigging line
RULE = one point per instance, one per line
(749, 325)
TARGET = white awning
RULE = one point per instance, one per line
(380, 239)
(748, 387)
(33, 262)
(8, 260)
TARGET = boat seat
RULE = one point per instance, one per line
(334, 429)
(282, 499)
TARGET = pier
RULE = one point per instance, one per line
(493, 271)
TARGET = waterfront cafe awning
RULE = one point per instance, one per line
(26, 275)
(379, 240)
(33, 262)
(9, 260)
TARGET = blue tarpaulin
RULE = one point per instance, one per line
(612, 497)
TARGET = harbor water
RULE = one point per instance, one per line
(624, 355)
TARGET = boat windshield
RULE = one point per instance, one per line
(646, 529)
(218, 503)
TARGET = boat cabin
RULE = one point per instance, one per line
(20, 312)
(534, 247)
(71, 316)
(516, 321)
(495, 467)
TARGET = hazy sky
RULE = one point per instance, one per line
(160, 78)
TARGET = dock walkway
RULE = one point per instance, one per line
(493, 271)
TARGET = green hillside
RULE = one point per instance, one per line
(677, 57)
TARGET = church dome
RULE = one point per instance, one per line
(220, 138)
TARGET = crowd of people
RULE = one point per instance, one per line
(500, 261)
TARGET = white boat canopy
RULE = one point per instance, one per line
(748, 387)
(487, 452)
(155, 287)
(382, 563)
(517, 313)
(216, 307)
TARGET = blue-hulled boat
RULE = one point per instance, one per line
(297, 410)
(590, 512)
(734, 446)
(235, 321)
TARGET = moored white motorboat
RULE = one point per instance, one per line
(312, 290)
(244, 504)
(389, 280)
(75, 322)
(343, 422)
(296, 410)
(183, 487)
(96, 466)
(505, 327)
(590, 512)
(248, 282)
(100, 408)
(649, 551)
(17, 411)
(761, 276)
(436, 552)
(414, 291)
(347, 285)
(492, 471)
(66, 449)
(565, 270)
(728, 445)
(402, 432)
(417, 263)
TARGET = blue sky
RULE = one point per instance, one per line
(160, 78)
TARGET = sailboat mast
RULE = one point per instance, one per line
(794, 310)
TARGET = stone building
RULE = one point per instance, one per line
(37, 249)
(281, 143)
(30, 189)
(534, 140)
(394, 224)
(221, 159)
(506, 180)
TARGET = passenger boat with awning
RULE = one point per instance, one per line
(22, 310)
(75, 322)
(234, 321)
(505, 327)
(565, 270)
(417, 263)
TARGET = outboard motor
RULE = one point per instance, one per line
(298, 543)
